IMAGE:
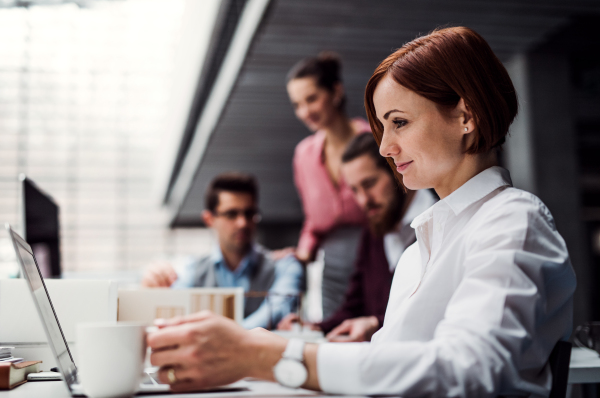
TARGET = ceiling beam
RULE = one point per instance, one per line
(249, 22)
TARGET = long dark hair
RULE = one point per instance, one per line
(326, 68)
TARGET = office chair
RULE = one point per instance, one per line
(559, 360)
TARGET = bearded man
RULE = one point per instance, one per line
(390, 211)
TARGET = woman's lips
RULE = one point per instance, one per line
(312, 120)
(402, 166)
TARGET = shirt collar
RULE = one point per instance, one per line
(247, 264)
(422, 201)
(477, 187)
(470, 192)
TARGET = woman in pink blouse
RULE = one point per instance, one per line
(333, 220)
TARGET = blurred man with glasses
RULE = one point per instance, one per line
(231, 210)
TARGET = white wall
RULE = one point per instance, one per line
(84, 94)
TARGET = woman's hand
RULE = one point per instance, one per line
(206, 350)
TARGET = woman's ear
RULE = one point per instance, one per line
(466, 120)
(338, 93)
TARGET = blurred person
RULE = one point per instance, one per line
(231, 210)
(477, 302)
(332, 219)
(390, 212)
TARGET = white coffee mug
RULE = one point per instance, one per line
(111, 358)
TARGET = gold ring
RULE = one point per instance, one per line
(171, 376)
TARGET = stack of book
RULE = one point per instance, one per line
(7, 356)
(14, 374)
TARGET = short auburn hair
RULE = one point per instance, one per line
(445, 66)
(229, 182)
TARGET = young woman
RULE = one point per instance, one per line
(483, 295)
(332, 219)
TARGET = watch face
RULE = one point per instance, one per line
(290, 373)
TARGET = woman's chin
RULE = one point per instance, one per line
(412, 183)
(314, 125)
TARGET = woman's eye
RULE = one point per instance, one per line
(399, 123)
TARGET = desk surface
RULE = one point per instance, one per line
(584, 368)
(58, 389)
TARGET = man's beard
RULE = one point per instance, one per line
(391, 216)
(243, 246)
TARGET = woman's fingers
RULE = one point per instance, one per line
(180, 320)
(188, 378)
(169, 337)
(207, 352)
(169, 356)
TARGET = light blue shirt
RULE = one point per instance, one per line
(283, 296)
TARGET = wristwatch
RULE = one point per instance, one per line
(290, 371)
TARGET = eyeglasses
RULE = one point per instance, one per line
(232, 215)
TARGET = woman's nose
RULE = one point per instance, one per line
(388, 147)
(302, 112)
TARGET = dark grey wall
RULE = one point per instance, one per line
(551, 148)
(257, 132)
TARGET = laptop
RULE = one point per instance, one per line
(54, 333)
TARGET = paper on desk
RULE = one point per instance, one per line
(6, 351)
(11, 359)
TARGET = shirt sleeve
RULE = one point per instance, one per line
(516, 285)
(309, 241)
(284, 295)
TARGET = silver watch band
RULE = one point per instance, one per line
(294, 350)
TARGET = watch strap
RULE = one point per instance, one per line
(295, 350)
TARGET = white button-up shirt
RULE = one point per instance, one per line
(476, 305)
(396, 241)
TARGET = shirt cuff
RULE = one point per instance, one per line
(338, 367)
(308, 242)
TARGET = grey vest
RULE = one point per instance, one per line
(261, 279)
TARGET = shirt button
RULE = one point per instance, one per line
(438, 227)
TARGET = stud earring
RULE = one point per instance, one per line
(466, 129)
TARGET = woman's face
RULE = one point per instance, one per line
(315, 106)
(427, 146)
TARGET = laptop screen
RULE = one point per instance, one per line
(42, 301)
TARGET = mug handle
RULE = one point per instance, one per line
(585, 330)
